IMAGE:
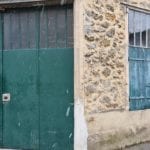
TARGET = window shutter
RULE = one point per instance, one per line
(147, 77)
(139, 78)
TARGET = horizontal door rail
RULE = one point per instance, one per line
(137, 98)
(137, 59)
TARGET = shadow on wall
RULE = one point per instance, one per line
(144, 146)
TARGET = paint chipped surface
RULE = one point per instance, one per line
(70, 135)
(68, 111)
(54, 145)
(52, 132)
(19, 124)
(67, 91)
(34, 137)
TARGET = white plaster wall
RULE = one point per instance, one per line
(116, 130)
(80, 126)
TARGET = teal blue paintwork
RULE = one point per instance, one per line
(40, 113)
(139, 75)
(1, 105)
(20, 115)
(56, 99)
(39, 77)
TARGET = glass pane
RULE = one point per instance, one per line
(32, 29)
(19, 29)
(43, 27)
(61, 28)
(137, 24)
(56, 28)
(15, 32)
(144, 19)
(7, 31)
(70, 27)
(148, 30)
(52, 28)
(131, 27)
(24, 33)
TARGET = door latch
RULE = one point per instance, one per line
(6, 97)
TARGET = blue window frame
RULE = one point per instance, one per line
(139, 60)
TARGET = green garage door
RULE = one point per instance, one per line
(36, 78)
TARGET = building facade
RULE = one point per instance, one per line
(108, 75)
(111, 72)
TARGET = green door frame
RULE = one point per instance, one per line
(1, 80)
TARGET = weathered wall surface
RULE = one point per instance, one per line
(105, 77)
(138, 3)
(116, 130)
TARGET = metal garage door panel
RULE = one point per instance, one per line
(56, 99)
(21, 113)
(37, 71)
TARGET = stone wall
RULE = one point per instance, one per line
(104, 68)
(105, 77)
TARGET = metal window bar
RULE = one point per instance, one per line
(140, 17)
(134, 27)
(146, 31)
